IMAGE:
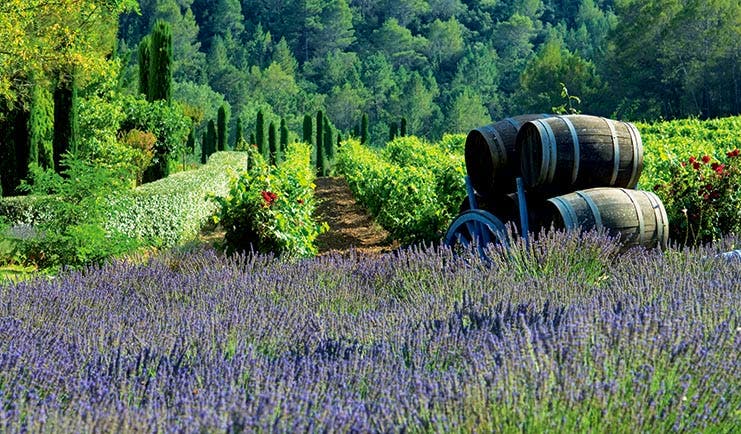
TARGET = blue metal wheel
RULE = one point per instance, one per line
(477, 228)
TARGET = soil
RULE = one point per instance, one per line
(350, 225)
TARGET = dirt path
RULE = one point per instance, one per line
(350, 225)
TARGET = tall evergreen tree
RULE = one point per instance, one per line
(403, 129)
(211, 137)
(145, 57)
(364, 129)
(41, 127)
(190, 145)
(253, 140)
(307, 130)
(320, 143)
(160, 67)
(223, 128)
(238, 134)
(66, 119)
(393, 131)
(283, 143)
(273, 144)
(328, 148)
(204, 148)
(262, 147)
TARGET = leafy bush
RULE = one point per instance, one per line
(681, 162)
(702, 198)
(269, 208)
(71, 232)
(412, 188)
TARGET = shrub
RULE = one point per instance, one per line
(269, 208)
(702, 198)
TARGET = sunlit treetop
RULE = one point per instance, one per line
(45, 38)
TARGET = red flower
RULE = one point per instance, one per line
(269, 197)
(692, 160)
(705, 159)
(709, 187)
(733, 153)
(719, 169)
(714, 166)
(300, 201)
(696, 165)
(683, 164)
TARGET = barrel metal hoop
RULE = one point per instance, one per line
(635, 137)
(570, 220)
(615, 151)
(593, 207)
(577, 156)
(638, 157)
(514, 123)
(545, 152)
(661, 218)
(552, 152)
(639, 214)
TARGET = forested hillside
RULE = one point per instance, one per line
(448, 65)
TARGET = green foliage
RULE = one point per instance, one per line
(393, 131)
(403, 127)
(411, 188)
(273, 145)
(283, 143)
(190, 144)
(701, 203)
(270, 208)
(329, 149)
(211, 138)
(223, 128)
(166, 121)
(41, 127)
(160, 63)
(77, 204)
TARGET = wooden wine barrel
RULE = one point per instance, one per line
(566, 153)
(637, 217)
(491, 160)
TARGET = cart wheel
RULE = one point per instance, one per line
(477, 227)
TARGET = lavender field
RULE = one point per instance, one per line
(569, 337)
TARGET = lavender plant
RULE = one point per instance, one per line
(420, 341)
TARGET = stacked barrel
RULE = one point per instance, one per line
(579, 171)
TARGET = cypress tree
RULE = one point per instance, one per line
(41, 127)
(260, 135)
(223, 128)
(403, 131)
(364, 129)
(393, 131)
(211, 137)
(273, 144)
(145, 56)
(160, 67)
(320, 143)
(253, 141)
(283, 144)
(328, 148)
(66, 123)
(307, 130)
(238, 135)
(204, 148)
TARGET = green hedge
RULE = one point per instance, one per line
(164, 213)
(172, 210)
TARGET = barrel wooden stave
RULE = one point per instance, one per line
(637, 217)
(491, 159)
(566, 153)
